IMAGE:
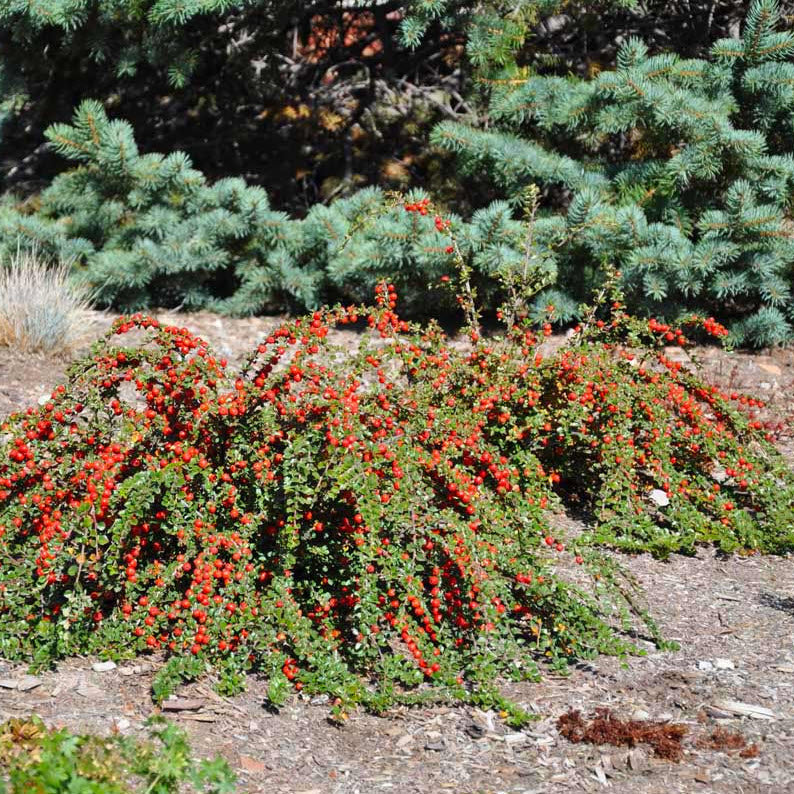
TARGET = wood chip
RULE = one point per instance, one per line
(638, 761)
(744, 709)
(89, 692)
(8, 683)
(182, 704)
(702, 776)
(772, 369)
(599, 774)
(252, 765)
(213, 695)
(200, 717)
(718, 714)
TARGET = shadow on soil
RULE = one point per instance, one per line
(783, 603)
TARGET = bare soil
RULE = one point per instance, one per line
(733, 617)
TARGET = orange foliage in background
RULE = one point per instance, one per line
(328, 32)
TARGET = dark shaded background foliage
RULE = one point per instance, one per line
(266, 91)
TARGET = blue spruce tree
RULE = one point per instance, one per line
(679, 171)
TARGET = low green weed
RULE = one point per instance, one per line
(34, 758)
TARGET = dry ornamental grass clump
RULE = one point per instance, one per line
(41, 305)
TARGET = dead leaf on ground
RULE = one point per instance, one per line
(604, 728)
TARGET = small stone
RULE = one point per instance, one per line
(659, 497)
(405, 740)
(705, 665)
(640, 714)
(319, 700)
(438, 746)
(719, 474)
(103, 667)
(8, 683)
(28, 682)
(89, 692)
(122, 724)
(724, 664)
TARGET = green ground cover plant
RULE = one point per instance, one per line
(36, 759)
(374, 523)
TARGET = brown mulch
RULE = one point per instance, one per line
(733, 618)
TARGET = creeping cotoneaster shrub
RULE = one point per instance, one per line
(362, 522)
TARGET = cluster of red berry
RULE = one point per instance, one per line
(443, 226)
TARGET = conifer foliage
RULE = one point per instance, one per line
(678, 170)
(149, 230)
